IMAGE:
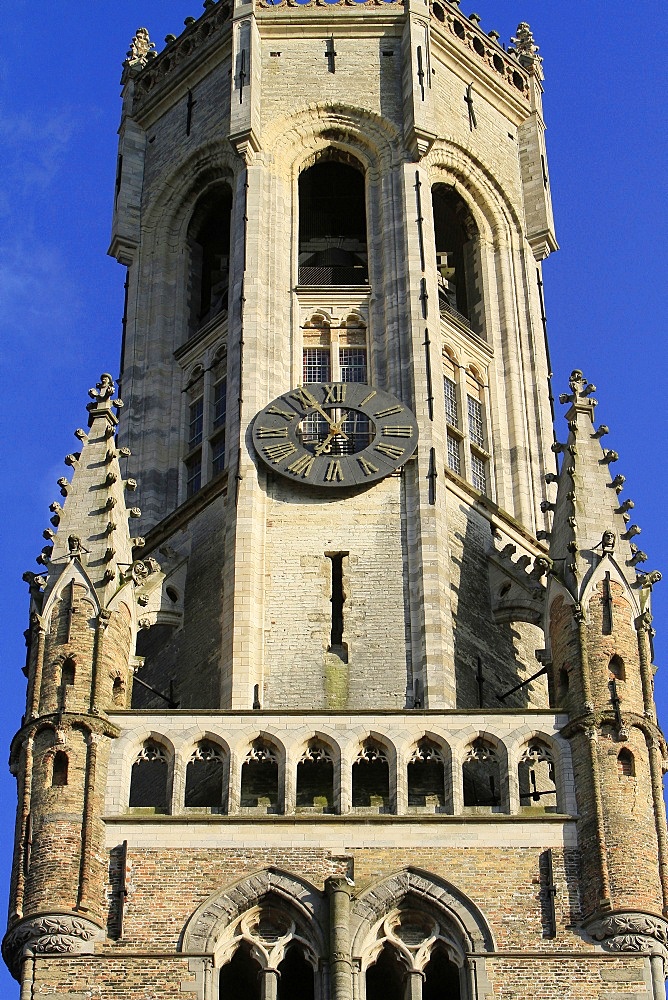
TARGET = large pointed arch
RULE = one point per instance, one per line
(207, 925)
(455, 907)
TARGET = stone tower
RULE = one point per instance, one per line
(365, 706)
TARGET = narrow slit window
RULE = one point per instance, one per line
(67, 672)
(338, 599)
(118, 692)
(60, 769)
(626, 764)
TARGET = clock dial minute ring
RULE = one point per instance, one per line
(343, 434)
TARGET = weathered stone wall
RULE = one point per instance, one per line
(506, 651)
(299, 670)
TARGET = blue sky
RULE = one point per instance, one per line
(62, 297)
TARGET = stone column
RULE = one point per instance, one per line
(414, 981)
(658, 977)
(340, 966)
(269, 984)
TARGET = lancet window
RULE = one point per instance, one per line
(386, 977)
(456, 246)
(332, 225)
(371, 778)
(209, 244)
(204, 776)
(315, 779)
(259, 778)
(240, 977)
(481, 775)
(295, 976)
(150, 771)
(538, 789)
(426, 777)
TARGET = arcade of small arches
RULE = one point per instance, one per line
(484, 776)
(410, 935)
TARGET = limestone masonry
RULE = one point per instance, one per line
(340, 667)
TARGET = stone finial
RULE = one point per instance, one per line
(141, 49)
(525, 46)
(104, 389)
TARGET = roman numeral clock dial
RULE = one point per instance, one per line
(335, 435)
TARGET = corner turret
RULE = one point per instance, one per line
(84, 616)
(599, 628)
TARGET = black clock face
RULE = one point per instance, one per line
(335, 434)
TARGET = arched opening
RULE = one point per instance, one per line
(60, 768)
(626, 766)
(259, 779)
(426, 778)
(118, 692)
(455, 236)
(209, 242)
(240, 978)
(441, 977)
(332, 225)
(67, 672)
(616, 670)
(148, 785)
(204, 777)
(385, 978)
(371, 779)
(481, 775)
(296, 976)
(563, 684)
(315, 779)
(538, 789)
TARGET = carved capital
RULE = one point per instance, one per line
(632, 931)
(51, 934)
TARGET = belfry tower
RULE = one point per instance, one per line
(363, 706)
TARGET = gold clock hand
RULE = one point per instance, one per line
(326, 445)
(316, 405)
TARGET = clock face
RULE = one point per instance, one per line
(335, 434)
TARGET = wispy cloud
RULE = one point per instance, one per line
(34, 150)
(36, 292)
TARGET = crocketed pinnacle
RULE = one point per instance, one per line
(591, 521)
(92, 522)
